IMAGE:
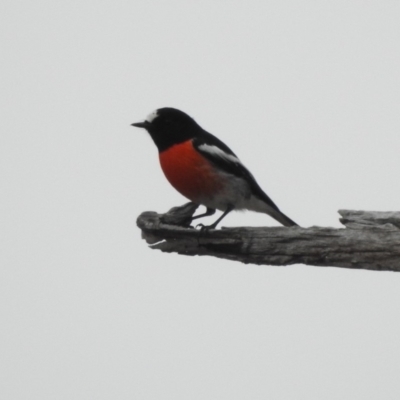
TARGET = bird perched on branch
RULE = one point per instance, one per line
(204, 169)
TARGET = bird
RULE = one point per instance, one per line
(204, 169)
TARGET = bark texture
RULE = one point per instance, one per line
(370, 240)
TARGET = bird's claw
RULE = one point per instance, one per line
(204, 228)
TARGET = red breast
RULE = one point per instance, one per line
(189, 172)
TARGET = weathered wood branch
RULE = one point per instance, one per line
(370, 240)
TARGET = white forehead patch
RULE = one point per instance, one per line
(151, 117)
(217, 152)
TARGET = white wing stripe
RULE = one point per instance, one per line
(216, 151)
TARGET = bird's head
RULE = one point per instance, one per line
(168, 126)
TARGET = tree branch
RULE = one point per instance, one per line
(370, 240)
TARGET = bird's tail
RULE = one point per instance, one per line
(262, 203)
(282, 218)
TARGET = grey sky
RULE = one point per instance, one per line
(307, 94)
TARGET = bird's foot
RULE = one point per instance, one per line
(205, 228)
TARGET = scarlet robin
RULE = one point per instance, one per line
(204, 169)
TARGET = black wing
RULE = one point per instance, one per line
(223, 157)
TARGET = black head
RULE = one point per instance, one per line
(169, 126)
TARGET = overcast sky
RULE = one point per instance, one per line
(306, 93)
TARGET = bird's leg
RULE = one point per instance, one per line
(213, 226)
(209, 211)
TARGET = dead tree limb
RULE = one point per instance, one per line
(370, 240)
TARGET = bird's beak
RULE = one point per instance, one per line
(144, 124)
